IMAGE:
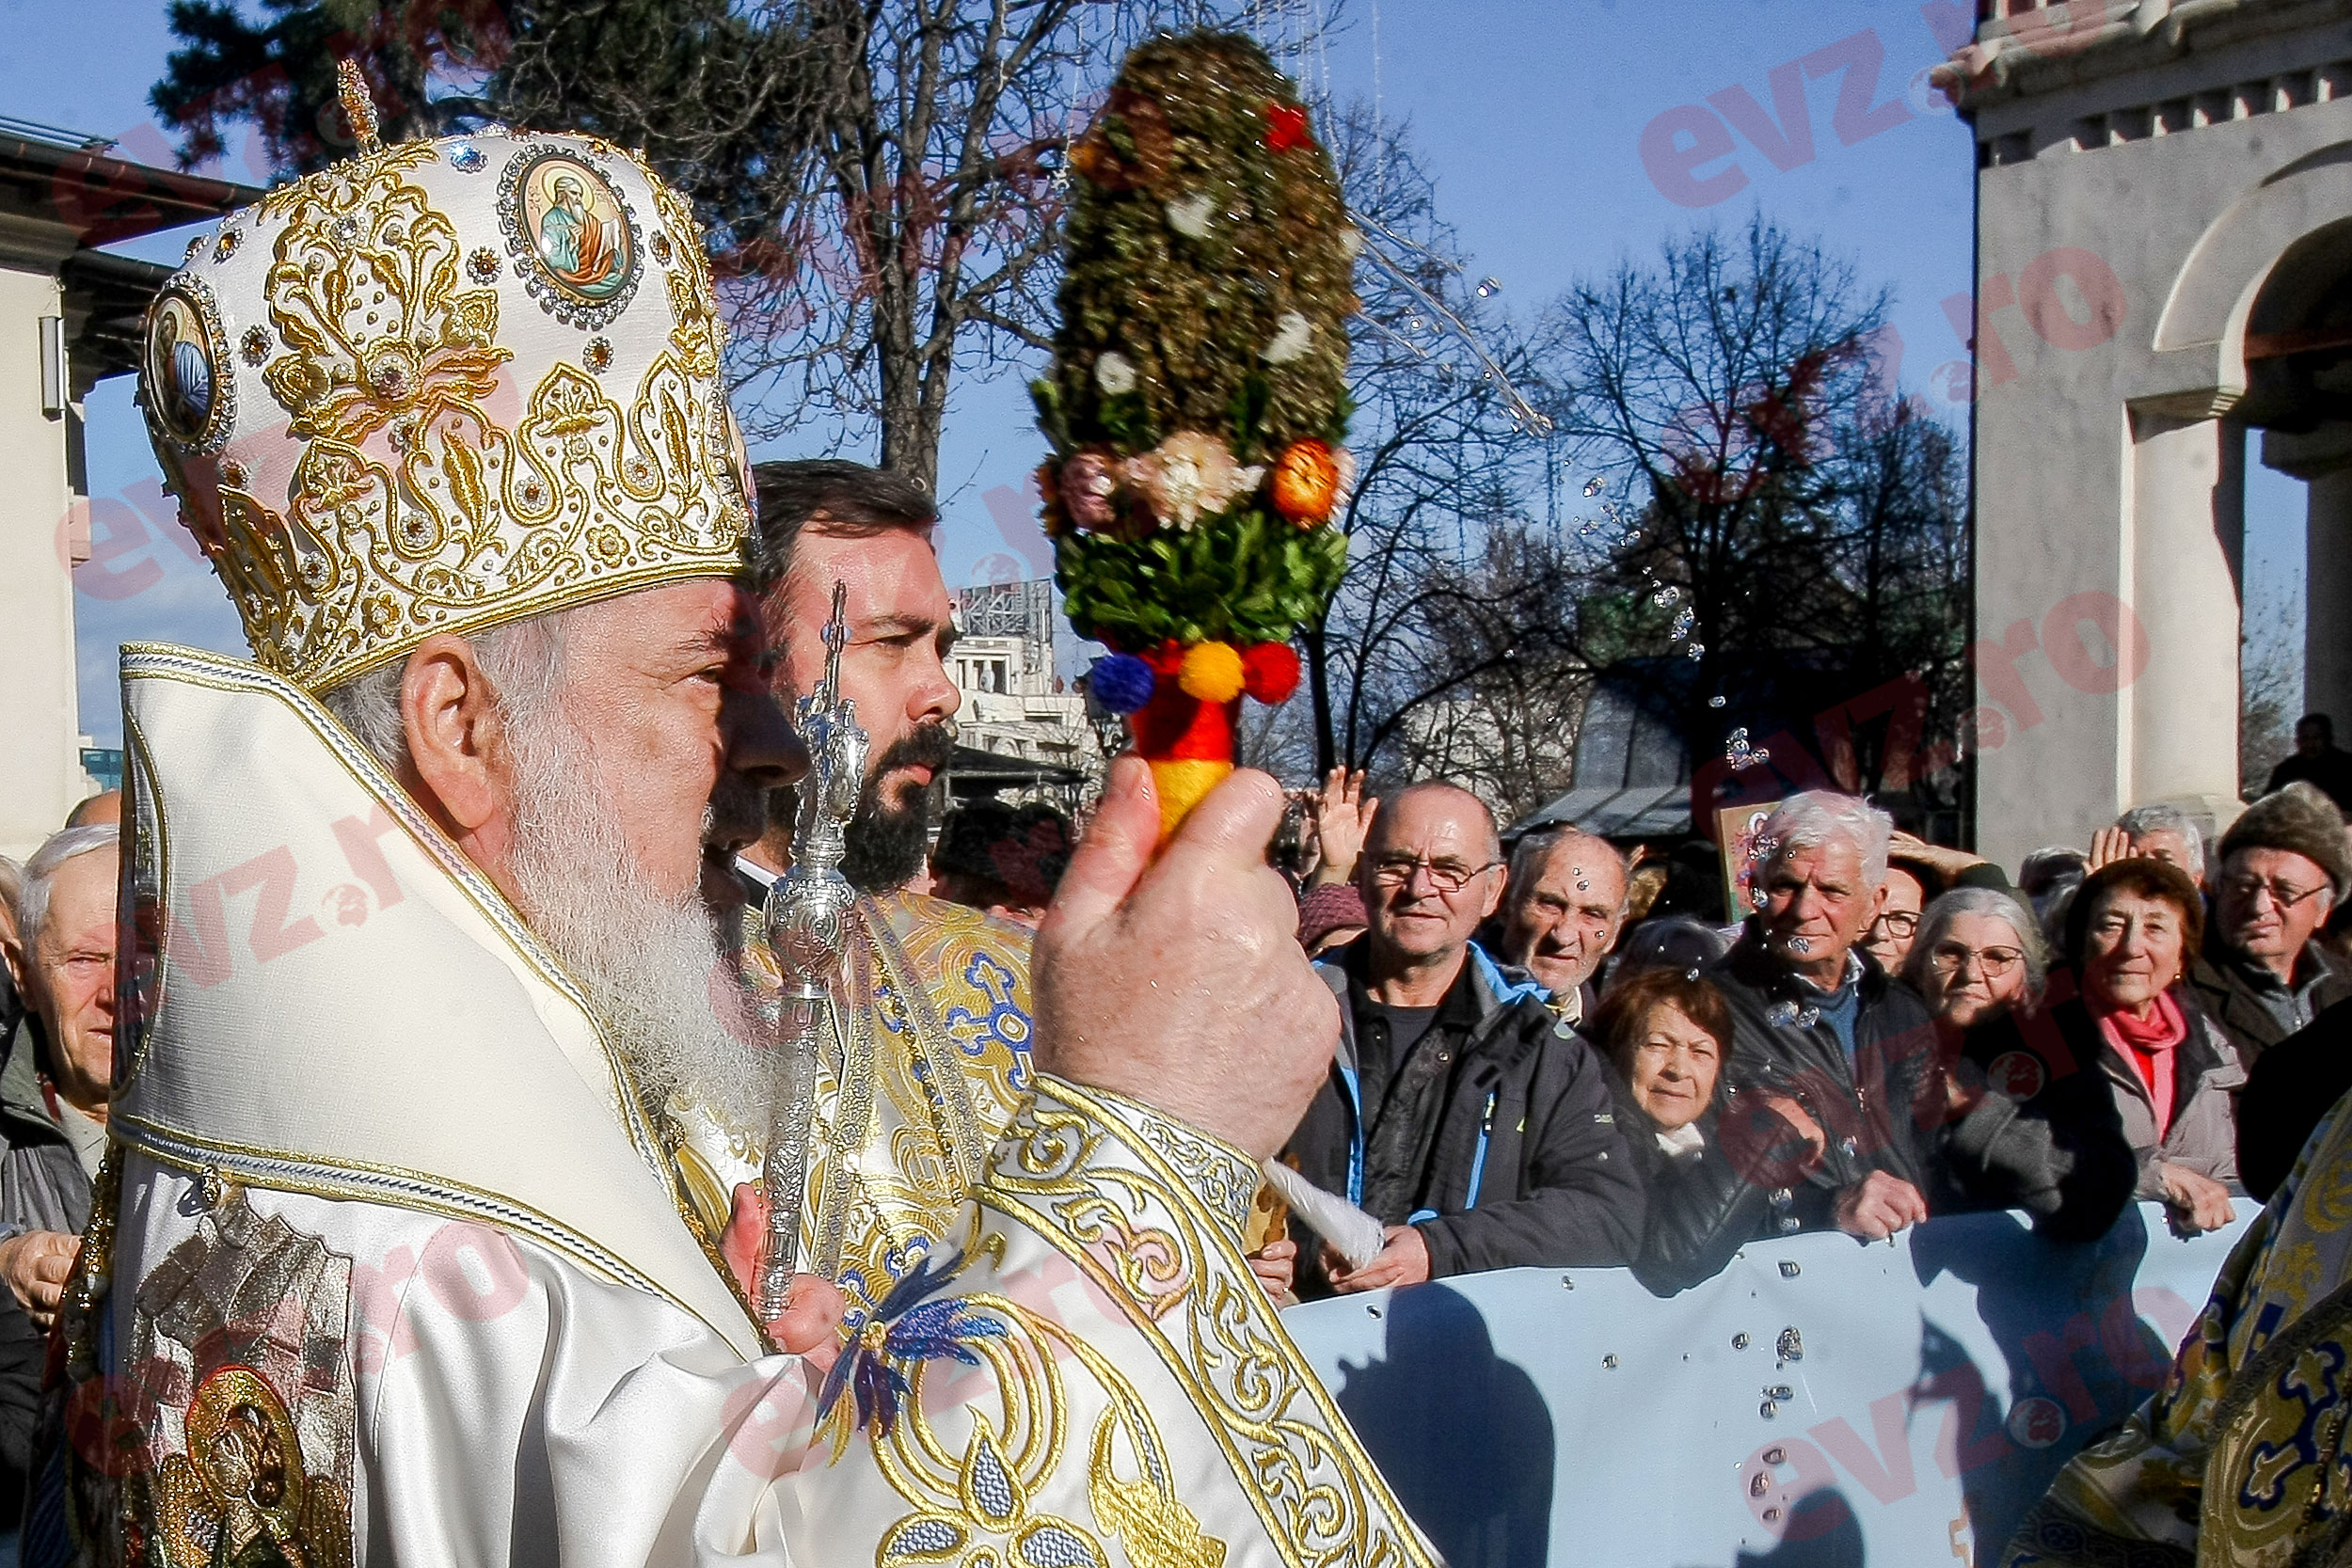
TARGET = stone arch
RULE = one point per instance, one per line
(2213, 296)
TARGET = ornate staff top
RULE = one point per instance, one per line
(807, 919)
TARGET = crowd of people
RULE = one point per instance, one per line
(1539, 1062)
(1536, 1068)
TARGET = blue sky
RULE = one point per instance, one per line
(1530, 113)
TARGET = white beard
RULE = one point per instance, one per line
(665, 982)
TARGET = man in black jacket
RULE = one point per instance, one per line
(1824, 1041)
(1456, 1113)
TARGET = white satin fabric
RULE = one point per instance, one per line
(511, 1410)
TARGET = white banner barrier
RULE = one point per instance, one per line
(1819, 1402)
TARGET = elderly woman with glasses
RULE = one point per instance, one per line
(2023, 1127)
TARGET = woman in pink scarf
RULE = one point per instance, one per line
(2131, 929)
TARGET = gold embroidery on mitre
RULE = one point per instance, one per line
(441, 483)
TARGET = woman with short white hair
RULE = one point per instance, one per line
(2027, 1120)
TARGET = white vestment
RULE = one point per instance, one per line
(392, 1270)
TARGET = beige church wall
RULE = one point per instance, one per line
(2108, 481)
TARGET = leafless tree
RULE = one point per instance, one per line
(1436, 601)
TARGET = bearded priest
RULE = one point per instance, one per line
(933, 1043)
(387, 1263)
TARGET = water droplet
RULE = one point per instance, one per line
(1489, 287)
(1588, 530)
(1665, 596)
(1811, 1016)
(1769, 1411)
(1714, 702)
(1781, 1014)
(1801, 945)
(1633, 537)
(1739, 741)
(1780, 1391)
(1609, 1362)
(1592, 487)
(1759, 1485)
(1685, 619)
(1774, 1456)
(1696, 649)
(1791, 1342)
(1693, 974)
(1771, 1515)
(1738, 1341)
(1757, 897)
(1790, 1269)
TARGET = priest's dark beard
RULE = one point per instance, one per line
(887, 836)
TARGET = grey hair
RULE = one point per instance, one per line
(2161, 818)
(524, 660)
(40, 873)
(1531, 851)
(1936, 921)
(1815, 818)
(11, 885)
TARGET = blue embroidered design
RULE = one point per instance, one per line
(905, 1328)
(1005, 1022)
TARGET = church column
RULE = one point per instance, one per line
(2186, 526)
(2322, 460)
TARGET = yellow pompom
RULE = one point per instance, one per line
(1212, 672)
(1182, 785)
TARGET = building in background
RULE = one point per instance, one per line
(1022, 733)
(70, 317)
(2164, 266)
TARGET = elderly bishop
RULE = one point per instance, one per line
(388, 1262)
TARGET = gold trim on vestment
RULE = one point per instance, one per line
(1213, 1285)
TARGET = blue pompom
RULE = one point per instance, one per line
(1121, 682)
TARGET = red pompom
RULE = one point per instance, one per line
(1269, 671)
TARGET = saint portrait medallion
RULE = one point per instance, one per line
(190, 391)
(573, 233)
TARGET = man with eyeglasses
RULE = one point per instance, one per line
(1454, 1114)
(2284, 865)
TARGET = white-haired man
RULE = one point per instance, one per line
(389, 1261)
(1823, 1040)
(1562, 909)
(2160, 832)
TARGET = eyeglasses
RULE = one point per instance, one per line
(1949, 957)
(1445, 875)
(1897, 923)
(2285, 895)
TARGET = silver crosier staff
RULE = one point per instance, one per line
(807, 919)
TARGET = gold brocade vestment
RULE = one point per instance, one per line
(913, 1089)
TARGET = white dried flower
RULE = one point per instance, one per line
(1293, 337)
(1189, 216)
(1115, 373)
(1351, 242)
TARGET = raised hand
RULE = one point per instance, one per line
(1178, 980)
(1343, 819)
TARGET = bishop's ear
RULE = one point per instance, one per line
(449, 713)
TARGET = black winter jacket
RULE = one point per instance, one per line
(1879, 1112)
(2046, 1136)
(1701, 1209)
(2229, 999)
(2289, 1090)
(1510, 1154)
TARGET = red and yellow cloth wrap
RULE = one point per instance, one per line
(1185, 732)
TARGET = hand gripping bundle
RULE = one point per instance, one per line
(1198, 399)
